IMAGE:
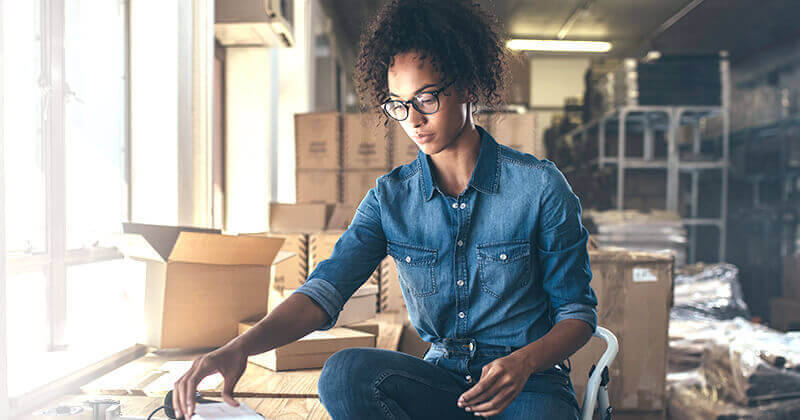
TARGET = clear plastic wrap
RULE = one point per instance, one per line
(758, 365)
(708, 292)
(746, 371)
(690, 401)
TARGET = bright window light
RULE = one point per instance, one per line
(558, 45)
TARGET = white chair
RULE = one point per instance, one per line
(597, 388)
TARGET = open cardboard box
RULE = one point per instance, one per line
(199, 283)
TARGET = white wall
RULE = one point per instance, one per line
(295, 92)
(552, 80)
(248, 111)
(154, 67)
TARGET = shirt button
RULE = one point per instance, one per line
(463, 206)
(468, 378)
(408, 259)
(503, 257)
(460, 282)
(460, 242)
(455, 205)
(461, 314)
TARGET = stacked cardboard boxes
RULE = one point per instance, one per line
(339, 156)
(515, 130)
(318, 157)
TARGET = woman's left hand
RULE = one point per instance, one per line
(501, 381)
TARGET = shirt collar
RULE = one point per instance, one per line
(484, 176)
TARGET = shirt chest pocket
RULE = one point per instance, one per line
(504, 267)
(416, 267)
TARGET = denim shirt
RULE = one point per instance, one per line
(501, 263)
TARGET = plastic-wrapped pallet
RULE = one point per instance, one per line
(705, 291)
(654, 231)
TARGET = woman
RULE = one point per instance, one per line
(488, 243)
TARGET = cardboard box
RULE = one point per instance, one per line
(369, 327)
(290, 274)
(320, 248)
(791, 276)
(403, 149)
(785, 314)
(298, 217)
(634, 291)
(356, 184)
(360, 307)
(341, 217)
(308, 352)
(517, 131)
(390, 296)
(318, 186)
(317, 140)
(199, 283)
(364, 142)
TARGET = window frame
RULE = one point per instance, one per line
(56, 258)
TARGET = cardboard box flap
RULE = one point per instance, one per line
(367, 289)
(207, 248)
(136, 246)
(282, 256)
(152, 242)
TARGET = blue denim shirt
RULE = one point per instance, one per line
(501, 263)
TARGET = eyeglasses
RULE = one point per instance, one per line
(425, 103)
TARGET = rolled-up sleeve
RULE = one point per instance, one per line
(355, 257)
(561, 248)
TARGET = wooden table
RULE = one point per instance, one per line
(271, 408)
(140, 385)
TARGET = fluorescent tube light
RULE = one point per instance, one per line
(558, 45)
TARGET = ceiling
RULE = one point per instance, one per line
(742, 27)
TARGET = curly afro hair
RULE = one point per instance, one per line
(464, 43)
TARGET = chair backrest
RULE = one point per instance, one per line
(592, 388)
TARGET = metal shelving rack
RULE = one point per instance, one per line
(649, 119)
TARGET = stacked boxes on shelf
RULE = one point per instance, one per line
(513, 129)
(318, 157)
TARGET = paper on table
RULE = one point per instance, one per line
(173, 371)
(223, 411)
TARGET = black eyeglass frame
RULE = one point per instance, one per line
(413, 102)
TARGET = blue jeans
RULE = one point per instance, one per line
(369, 383)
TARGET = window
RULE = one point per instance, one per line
(72, 299)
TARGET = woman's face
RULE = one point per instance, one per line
(409, 76)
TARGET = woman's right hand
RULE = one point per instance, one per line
(229, 360)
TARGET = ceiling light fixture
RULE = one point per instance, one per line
(558, 45)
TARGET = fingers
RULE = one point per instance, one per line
(183, 391)
(496, 405)
(227, 390)
(474, 394)
(485, 396)
(189, 389)
(176, 399)
(488, 378)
